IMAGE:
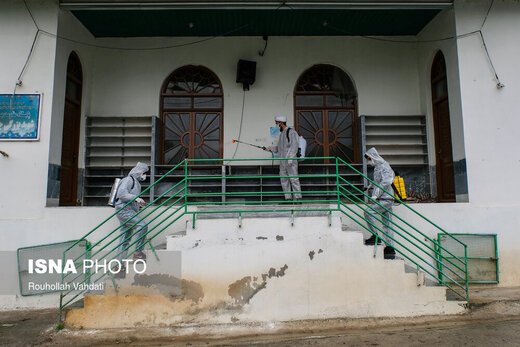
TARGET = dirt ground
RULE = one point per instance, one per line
(493, 319)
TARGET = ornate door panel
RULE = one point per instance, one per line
(192, 135)
(309, 125)
(207, 137)
(329, 133)
(176, 137)
(340, 129)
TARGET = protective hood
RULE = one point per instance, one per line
(138, 170)
(376, 158)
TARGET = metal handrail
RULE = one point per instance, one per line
(393, 239)
(388, 223)
(411, 209)
(408, 224)
(404, 255)
(182, 201)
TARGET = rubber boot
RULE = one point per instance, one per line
(389, 252)
(372, 240)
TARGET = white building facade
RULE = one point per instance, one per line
(392, 76)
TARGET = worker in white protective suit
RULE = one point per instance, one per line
(287, 147)
(128, 190)
(383, 177)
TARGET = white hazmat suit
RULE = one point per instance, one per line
(288, 148)
(384, 177)
(128, 191)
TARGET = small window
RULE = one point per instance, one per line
(482, 257)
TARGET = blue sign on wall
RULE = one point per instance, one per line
(19, 116)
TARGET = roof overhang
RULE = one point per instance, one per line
(143, 18)
(252, 4)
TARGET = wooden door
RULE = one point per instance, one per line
(71, 131)
(441, 120)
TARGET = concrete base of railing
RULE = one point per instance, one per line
(268, 270)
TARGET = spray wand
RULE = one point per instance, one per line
(249, 144)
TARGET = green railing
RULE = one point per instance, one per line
(347, 199)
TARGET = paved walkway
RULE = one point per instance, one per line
(493, 319)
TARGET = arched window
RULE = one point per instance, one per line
(325, 112)
(191, 113)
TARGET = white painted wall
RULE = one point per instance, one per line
(24, 173)
(70, 32)
(128, 82)
(490, 115)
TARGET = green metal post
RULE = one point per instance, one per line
(439, 256)
(496, 258)
(466, 263)
(186, 187)
(153, 250)
(337, 180)
(88, 255)
(113, 279)
(60, 316)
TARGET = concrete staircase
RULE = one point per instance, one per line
(264, 270)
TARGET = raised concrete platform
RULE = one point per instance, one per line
(300, 210)
(269, 270)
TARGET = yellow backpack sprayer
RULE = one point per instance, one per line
(399, 188)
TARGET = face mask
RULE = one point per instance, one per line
(280, 126)
(142, 178)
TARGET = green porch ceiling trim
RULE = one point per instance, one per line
(255, 4)
(205, 22)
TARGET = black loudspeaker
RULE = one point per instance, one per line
(246, 73)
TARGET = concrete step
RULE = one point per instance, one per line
(162, 245)
(250, 231)
(424, 279)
